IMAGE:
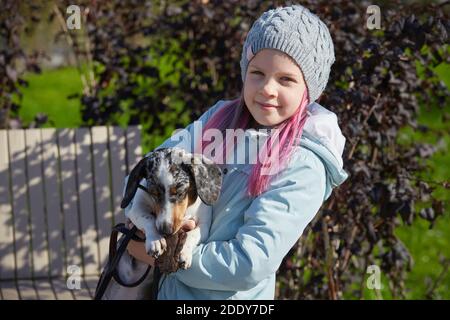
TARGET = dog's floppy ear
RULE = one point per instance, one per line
(135, 177)
(207, 176)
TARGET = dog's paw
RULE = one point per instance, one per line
(156, 246)
(185, 259)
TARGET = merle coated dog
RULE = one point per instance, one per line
(179, 186)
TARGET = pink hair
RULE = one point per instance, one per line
(235, 115)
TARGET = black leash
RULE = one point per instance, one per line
(115, 254)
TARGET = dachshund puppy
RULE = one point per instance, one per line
(166, 188)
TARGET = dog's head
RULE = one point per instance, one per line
(174, 180)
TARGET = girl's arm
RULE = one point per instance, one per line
(272, 224)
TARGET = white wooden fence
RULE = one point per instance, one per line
(60, 193)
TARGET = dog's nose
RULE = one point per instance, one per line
(166, 229)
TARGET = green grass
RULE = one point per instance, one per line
(47, 93)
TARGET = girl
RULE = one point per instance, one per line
(264, 207)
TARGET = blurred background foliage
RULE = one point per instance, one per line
(161, 64)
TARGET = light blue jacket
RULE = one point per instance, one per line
(249, 237)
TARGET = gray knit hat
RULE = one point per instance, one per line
(300, 34)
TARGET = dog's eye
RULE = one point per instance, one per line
(173, 191)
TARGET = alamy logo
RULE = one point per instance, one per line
(74, 20)
(374, 19)
(374, 280)
(74, 279)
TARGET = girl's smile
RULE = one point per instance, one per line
(266, 106)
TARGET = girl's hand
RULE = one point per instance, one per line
(137, 249)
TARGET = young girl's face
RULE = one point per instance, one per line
(273, 87)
